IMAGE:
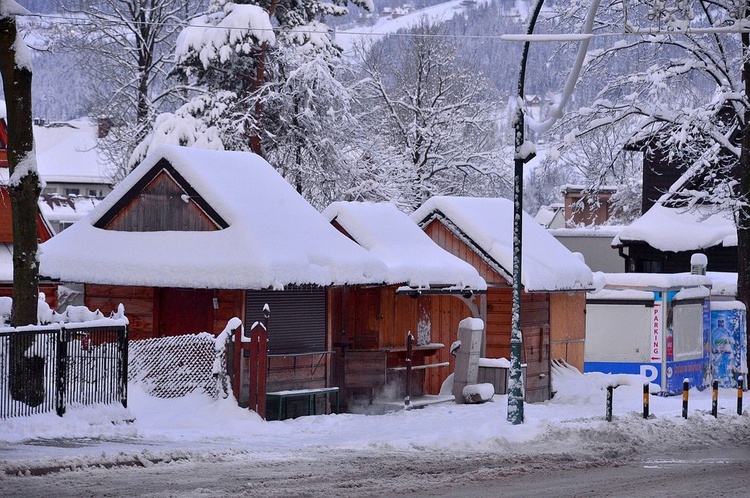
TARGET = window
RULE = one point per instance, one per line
(72, 191)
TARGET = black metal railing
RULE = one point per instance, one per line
(45, 369)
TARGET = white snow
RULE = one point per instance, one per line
(201, 429)
(409, 253)
(680, 229)
(274, 237)
(547, 265)
(213, 41)
(66, 152)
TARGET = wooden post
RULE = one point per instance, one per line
(409, 352)
(258, 368)
(610, 391)
(645, 399)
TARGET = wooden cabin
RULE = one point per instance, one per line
(427, 292)
(479, 231)
(194, 237)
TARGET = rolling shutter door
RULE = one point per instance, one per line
(297, 323)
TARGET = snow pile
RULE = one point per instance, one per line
(197, 427)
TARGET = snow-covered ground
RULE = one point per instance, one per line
(198, 428)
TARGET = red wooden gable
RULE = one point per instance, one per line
(44, 232)
(3, 144)
(161, 201)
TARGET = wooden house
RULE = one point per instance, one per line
(194, 237)
(667, 235)
(427, 292)
(479, 231)
(672, 225)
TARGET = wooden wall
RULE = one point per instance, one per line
(371, 318)
(160, 206)
(141, 307)
(568, 327)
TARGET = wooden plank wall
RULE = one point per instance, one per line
(445, 239)
(138, 302)
(160, 206)
(141, 309)
(568, 327)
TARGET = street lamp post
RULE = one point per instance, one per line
(523, 153)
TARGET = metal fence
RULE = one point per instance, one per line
(46, 369)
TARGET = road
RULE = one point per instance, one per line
(713, 472)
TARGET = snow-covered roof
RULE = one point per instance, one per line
(488, 223)
(410, 254)
(680, 229)
(58, 208)
(641, 286)
(66, 153)
(273, 238)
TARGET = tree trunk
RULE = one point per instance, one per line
(26, 373)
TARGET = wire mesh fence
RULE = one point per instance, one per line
(170, 367)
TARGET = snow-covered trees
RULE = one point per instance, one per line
(431, 122)
(125, 45)
(264, 75)
(688, 97)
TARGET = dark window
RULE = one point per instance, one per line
(72, 191)
(651, 266)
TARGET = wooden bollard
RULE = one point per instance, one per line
(610, 390)
(645, 399)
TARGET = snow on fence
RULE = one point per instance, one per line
(56, 365)
(171, 367)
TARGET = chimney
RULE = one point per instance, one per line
(698, 264)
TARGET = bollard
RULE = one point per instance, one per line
(739, 394)
(645, 399)
(685, 389)
(715, 399)
(610, 390)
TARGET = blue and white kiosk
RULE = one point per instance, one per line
(728, 331)
(656, 325)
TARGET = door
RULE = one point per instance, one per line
(185, 311)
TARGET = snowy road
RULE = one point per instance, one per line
(711, 472)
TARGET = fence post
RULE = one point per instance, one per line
(61, 370)
(715, 399)
(685, 389)
(645, 399)
(409, 352)
(610, 390)
(123, 373)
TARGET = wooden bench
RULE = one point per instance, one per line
(301, 393)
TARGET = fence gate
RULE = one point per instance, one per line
(45, 369)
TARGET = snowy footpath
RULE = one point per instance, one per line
(162, 436)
